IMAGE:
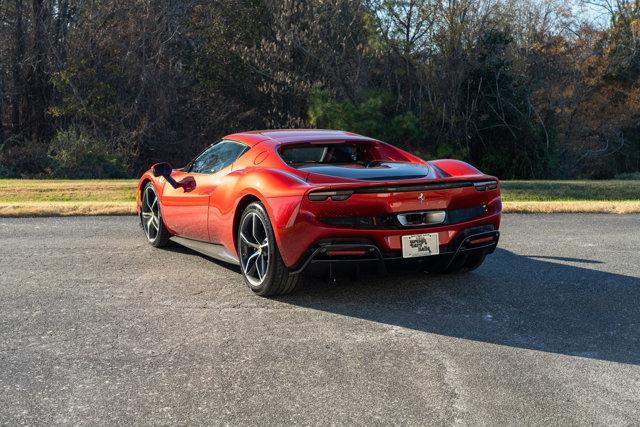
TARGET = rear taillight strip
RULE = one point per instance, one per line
(486, 185)
(336, 196)
(406, 188)
(413, 187)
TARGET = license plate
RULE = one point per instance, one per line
(418, 245)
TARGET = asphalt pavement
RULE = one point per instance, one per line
(98, 327)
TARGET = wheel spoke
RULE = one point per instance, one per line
(151, 230)
(254, 226)
(147, 197)
(260, 268)
(253, 259)
(248, 242)
(147, 214)
(264, 263)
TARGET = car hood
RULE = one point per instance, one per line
(385, 171)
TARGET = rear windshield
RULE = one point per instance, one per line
(326, 154)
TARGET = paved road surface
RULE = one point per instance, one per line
(97, 327)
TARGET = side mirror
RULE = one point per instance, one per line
(164, 170)
(161, 169)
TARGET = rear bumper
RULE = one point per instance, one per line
(301, 225)
(298, 241)
(483, 239)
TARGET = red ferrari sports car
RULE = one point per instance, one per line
(274, 202)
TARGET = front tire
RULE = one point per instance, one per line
(151, 218)
(262, 267)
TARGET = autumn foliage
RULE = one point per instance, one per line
(523, 89)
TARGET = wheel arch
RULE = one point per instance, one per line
(143, 184)
(245, 201)
(264, 185)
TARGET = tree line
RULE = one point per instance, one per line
(520, 88)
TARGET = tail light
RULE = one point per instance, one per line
(336, 196)
(485, 185)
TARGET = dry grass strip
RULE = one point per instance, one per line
(583, 206)
(33, 209)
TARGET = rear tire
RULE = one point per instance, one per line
(151, 218)
(262, 266)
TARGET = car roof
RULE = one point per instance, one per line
(286, 136)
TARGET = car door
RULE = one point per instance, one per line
(186, 208)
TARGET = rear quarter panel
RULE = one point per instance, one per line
(457, 168)
(278, 191)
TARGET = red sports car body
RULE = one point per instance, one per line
(276, 201)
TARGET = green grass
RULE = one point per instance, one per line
(531, 191)
(19, 191)
(37, 190)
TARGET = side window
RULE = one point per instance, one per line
(218, 157)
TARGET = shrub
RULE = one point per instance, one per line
(374, 116)
(20, 158)
(75, 154)
(631, 176)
